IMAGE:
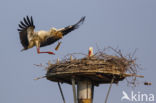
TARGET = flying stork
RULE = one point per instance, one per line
(30, 38)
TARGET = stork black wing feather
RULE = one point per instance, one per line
(19, 30)
(70, 28)
(49, 41)
(28, 20)
(23, 26)
(24, 39)
(32, 23)
(25, 21)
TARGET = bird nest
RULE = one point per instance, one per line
(100, 68)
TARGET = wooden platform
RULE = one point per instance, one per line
(96, 76)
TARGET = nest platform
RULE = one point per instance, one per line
(99, 69)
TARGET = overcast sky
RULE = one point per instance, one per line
(127, 24)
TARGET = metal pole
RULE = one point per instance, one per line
(74, 90)
(61, 92)
(85, 91)
(109, 90)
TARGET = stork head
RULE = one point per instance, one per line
(90, 52)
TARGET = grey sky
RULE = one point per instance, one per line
(127, 24)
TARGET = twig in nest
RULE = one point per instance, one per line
(39, 78)
(39, 65)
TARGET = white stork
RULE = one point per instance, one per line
(90, 52)
(30, 38)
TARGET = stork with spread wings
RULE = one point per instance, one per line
(30, 38)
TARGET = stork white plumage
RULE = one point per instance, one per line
(30, 38)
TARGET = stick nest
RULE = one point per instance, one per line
(100, 68)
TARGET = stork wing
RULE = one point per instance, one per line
(70, 28)
(24, 25)
(64, 31)
(49, 41)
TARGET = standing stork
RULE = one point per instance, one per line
(30, 38)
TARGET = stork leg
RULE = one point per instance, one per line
(49, 52)
(38, 49)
